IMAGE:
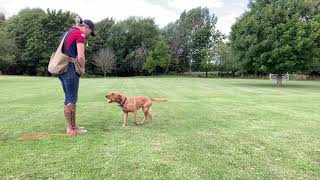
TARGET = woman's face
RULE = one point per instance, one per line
(87, 31)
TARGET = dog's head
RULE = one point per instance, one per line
(115, 97)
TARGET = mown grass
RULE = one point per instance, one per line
(209, 129)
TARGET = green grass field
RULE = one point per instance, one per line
(209, 129)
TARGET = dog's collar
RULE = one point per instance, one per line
(125, 100)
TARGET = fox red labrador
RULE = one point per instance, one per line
(132, 105)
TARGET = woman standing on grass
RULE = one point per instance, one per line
(73, 46)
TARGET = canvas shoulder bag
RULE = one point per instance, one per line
(59, 61)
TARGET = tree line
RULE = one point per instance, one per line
(134, 46)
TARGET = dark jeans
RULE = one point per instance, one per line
(70, 84)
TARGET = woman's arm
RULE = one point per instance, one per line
(81, 57)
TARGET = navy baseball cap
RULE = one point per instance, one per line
(90, 24)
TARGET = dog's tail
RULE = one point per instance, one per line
(158, 100)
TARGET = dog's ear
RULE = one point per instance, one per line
(121, 98)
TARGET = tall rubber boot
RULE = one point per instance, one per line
(79, 130)
(68, 115)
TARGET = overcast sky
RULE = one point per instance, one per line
(163, 11)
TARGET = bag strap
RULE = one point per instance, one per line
(61, 43)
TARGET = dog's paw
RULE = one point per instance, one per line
(138, 123)
(124, 126)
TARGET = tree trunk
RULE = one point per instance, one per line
(104, 74)
(167, 69)
(279, 80)
(207, 72)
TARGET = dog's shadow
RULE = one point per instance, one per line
(114, 125)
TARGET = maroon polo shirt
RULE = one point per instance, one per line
(74, 36)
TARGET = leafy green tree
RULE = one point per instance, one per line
(278, 37)
(190, 36)
(37, 34)
(24, 27)
(7, 52)
(174, 38)
(150, 65)
(158, 59)
(135, 60)
(131, 39)
(226, 61)
(162, 56)
(200, 34)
